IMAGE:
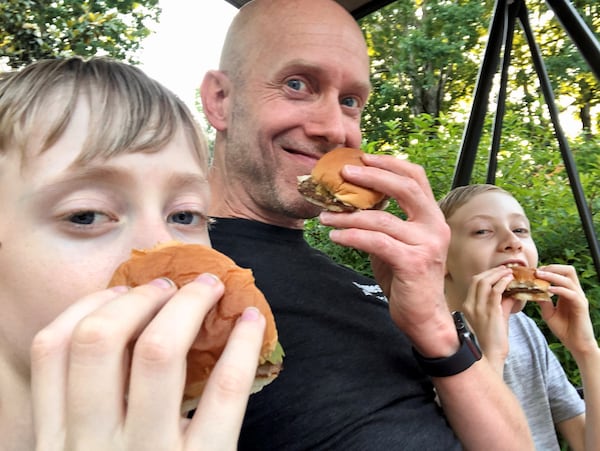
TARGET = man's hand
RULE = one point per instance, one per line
(407, 255)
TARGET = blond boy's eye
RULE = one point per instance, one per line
(185, 218)
(86, 217)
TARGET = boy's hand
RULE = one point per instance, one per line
(487, 313)
(93, 389)
(569, 318)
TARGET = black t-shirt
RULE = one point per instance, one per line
(349, 380)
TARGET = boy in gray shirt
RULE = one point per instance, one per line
(490, 232)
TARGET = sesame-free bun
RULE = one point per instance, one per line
(182, 263)
(526, 287)
(326, 187)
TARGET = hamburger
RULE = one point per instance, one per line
(326, 187)
(526, 287)
(182, 263)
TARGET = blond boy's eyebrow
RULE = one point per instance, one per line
(188, 180)
(81, 175)
(107, 174)
(482, 216)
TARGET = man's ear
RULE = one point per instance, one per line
(214, 92)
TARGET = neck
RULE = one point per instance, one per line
(231, 201)
(454, 299)
(227, 199)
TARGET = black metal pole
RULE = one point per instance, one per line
(567, 156)
(487, 70)
(579, 32)
(509, 30)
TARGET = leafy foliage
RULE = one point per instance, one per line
(32, 30)
(420, 58)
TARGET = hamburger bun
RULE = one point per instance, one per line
(326, 187)
(182, 263)
(526, 287)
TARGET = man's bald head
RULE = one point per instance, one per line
(262, 22)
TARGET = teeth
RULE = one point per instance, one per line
(512, 265)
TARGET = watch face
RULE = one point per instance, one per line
(459, 321)
(471, 341)
(465, 334)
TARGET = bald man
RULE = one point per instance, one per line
(360, 354)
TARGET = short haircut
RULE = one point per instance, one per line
(462, 194)
(129, 111)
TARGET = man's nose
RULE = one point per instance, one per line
(327, 122)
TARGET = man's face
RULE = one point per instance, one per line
(66, 227)
(305, 85)
(489, 230)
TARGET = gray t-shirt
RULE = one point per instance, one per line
(538, 380)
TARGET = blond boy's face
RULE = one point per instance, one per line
(65, 228)
(489, 230)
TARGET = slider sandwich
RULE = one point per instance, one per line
(182, 263)
(526, 287)
(326, 187)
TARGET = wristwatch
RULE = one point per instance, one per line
(468, 353)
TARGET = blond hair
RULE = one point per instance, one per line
(457, 197)
(129, 111)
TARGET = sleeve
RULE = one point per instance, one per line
(565, 402)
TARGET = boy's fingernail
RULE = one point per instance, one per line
(207, 278)
(120, 289)
(162, 282)
(251, 314)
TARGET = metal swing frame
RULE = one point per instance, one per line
(501, 32)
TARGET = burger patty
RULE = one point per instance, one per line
(525, 289)
(319, 195)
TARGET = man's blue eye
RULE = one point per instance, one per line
(350, 102)
(295, 84)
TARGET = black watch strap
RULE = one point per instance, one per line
(467, 354)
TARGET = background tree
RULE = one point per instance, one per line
(420, 52)
(572, 80)
(33, 29)
(567, 69)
